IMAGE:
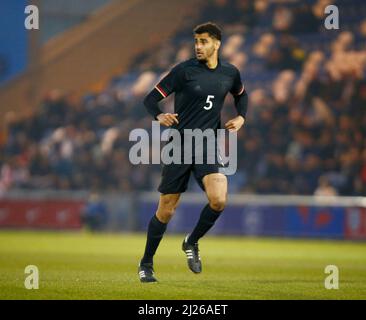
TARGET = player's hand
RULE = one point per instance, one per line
(235, 124)
(167, 119)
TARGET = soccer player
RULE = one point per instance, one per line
(200, 86)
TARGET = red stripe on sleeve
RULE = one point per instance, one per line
(161, 91)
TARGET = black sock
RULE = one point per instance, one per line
(205, 222)
(155, 233)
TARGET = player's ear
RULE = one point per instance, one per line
(218, 44)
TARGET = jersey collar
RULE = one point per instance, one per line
(206, 67)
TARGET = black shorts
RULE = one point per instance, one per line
(175, 177)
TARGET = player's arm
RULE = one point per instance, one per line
(151, 103)
(241, 104)
(164, 88)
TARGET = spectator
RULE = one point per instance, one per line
(95, 214)
(306, 117)
(324, 188)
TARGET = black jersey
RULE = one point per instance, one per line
(200, 92)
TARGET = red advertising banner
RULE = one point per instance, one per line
(52, 214)
(355, 223)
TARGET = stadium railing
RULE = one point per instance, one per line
(250, 215)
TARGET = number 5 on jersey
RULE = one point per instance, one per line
(210, 103)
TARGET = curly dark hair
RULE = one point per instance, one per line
(211, 28)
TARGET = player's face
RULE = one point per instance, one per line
(205, 46)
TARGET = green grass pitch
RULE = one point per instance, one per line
(80, 265)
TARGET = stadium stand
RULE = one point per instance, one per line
(306, 124)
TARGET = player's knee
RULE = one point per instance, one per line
(166, 209)
(165, 214)
(169, 212)
(218, 203)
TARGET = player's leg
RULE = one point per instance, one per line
(174, 181)
(156, 229)
(158, 224)
(215, 186)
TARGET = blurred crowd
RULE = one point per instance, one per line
(305, 128)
